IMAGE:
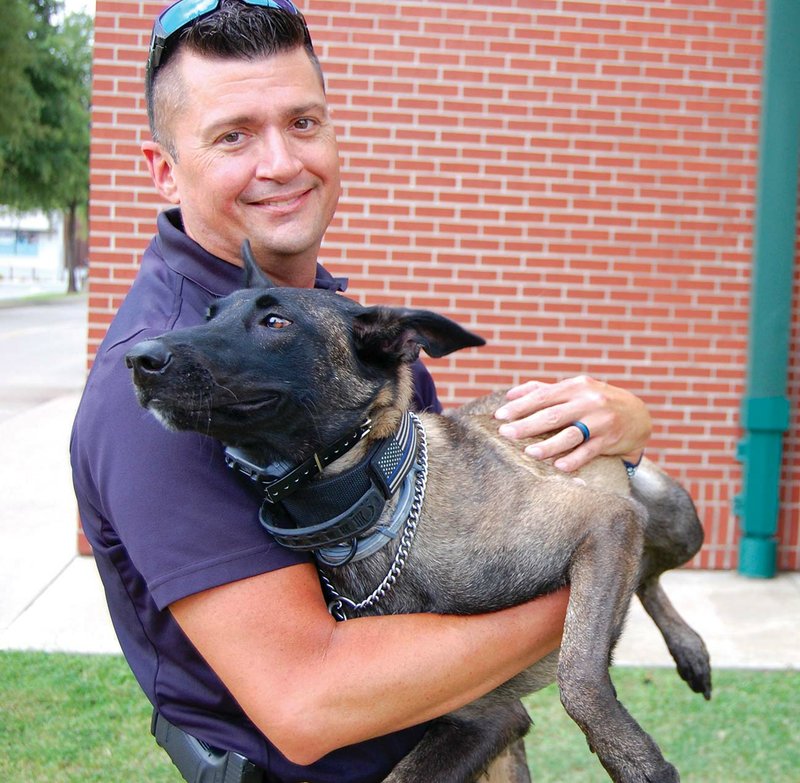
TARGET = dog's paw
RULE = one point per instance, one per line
(658, 772)
(667, 774)
(694, 665)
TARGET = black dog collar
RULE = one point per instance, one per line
(276, 489)
(306, 515)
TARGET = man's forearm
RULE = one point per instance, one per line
(424, 666)
(312, 685)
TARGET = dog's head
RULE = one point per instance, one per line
(283, 370)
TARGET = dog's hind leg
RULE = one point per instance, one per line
(462, 746)
(673, 535)
(603, 575)
(683, 642)
(511, 766)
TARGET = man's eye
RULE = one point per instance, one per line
(275, 322)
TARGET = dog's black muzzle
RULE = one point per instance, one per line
(147, 360)
(171, 384)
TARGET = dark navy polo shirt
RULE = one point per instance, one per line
(167, 519)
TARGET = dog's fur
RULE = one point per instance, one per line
(497, 528)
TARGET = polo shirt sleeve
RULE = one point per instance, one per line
(186, 521)
(425, 397)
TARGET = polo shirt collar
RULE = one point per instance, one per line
(185, 257)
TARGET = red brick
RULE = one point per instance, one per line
(575, 180)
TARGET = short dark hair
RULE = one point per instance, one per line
(236, 31)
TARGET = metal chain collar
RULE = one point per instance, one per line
(338, 602)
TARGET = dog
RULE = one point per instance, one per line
(310, 392)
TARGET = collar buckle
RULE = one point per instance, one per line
(275, 489)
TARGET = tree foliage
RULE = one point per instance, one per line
(16, 57)
(45, 63)
(45, 151)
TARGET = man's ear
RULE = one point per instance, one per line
(387, 335)
(162, 169)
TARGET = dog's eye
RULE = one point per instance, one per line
(275, 322)
(211, 312)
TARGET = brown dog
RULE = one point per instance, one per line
(310, 391)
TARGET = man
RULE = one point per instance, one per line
(228, 633)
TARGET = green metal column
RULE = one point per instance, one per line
(765, 409)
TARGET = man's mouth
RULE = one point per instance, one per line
(284, 203)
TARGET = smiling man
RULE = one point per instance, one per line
(227, 632)
(242, 164)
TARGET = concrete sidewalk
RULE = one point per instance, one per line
(51, 599)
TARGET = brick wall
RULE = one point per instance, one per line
(574, 180)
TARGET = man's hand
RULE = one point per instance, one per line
(618, 421)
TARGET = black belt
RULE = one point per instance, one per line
(198, 762)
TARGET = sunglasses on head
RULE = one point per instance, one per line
(181, 14)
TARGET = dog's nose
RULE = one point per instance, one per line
(149, 358)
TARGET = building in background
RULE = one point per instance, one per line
(31, 247)
(575, 181)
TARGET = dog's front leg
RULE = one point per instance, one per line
(603, 575)
(461, 747)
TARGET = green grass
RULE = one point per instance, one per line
(75, 719)
(81, 719)
(748, 733)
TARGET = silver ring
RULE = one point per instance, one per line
(584, 430)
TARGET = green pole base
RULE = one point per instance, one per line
(757, 557)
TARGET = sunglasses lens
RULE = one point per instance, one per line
(285, 5)
(184, 12)
(180, 14)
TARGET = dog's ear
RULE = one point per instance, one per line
(384, 334)
(254, 276)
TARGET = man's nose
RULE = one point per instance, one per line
(279, 159)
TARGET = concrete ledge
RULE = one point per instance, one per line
(70, 615)
(745, 623)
